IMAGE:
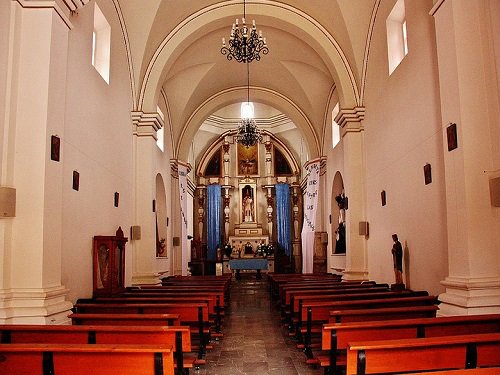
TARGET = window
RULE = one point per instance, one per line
(101, 43)
(335, 127)
(397, 43)
(160, 134)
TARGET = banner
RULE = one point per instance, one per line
(310, 209)
(182, 170)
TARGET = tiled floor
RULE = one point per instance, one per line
(254, 341)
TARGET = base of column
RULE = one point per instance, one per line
(35, 306)
(147, 278)
(350, 275)
(469, 296)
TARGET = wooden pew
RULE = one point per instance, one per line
(387, 313)
(335, 336)
(214, 299)
(318, 312)
(282, 289)
(299, 299)
(125, 319)
(78, 359)
(470, 371)
(193, 314)
(433, 353)
(179, 337)
(295, 298)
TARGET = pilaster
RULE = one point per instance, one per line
(30, 286)
(352, 131)
(469, 99)
(145, 127)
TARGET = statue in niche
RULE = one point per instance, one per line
(248, 205)
(340, 244)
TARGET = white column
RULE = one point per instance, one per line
(144, 259)
(469, 98)
(30, 285)
(350, 121)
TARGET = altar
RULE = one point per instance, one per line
(257, 264)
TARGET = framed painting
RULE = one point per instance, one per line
(247, 160)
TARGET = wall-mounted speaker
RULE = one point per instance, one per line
(495, 191)
(364, 228)
(135, 232)
(176, 241)
(7, 202)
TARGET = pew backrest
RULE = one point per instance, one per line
(77, 359)
(434, 353)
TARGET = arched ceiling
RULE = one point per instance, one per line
(317, 48)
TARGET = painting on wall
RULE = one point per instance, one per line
(248, 160)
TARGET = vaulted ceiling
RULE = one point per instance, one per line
(318, 50)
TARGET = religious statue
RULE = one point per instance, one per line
(397, 257)
(248, 207)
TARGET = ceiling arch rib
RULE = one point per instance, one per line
(258, 94)
(197, 23)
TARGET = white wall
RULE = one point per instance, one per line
(98, 144)
(402, 134)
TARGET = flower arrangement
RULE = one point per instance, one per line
(228, 249)
(264, 250)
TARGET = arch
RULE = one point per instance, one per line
(161, 217)
(337, 190)
(217, 144)
(191, 27)
(258, 94)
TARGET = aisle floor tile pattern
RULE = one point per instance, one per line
(255, 341)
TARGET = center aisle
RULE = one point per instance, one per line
(254, 340)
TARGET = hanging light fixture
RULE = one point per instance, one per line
(245, 45)
(248, 134)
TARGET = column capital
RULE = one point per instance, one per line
(146, 124)
(350, 119)
(46, 4)
(174, 167)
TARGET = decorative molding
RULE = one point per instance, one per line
(46, 4)
(351, 118)
(146, 124)
(436, 7)
(73, 5)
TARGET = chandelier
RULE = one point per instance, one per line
(245, 45)
(248, 134)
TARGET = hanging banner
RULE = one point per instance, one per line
(310, 209)
(182, 170)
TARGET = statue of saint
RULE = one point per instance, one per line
(397, 257)
(248, 207)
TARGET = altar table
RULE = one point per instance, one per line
(248, 264)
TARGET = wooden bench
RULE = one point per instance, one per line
(336, 336)
(317, 313)
(125, 319)
(215, 300)
(385, 313)
(298, 300)
(433, 353)
(193, 314)
(78, 359)
(179, 337)
(470, 371)
(292, 297)
(212, 301)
